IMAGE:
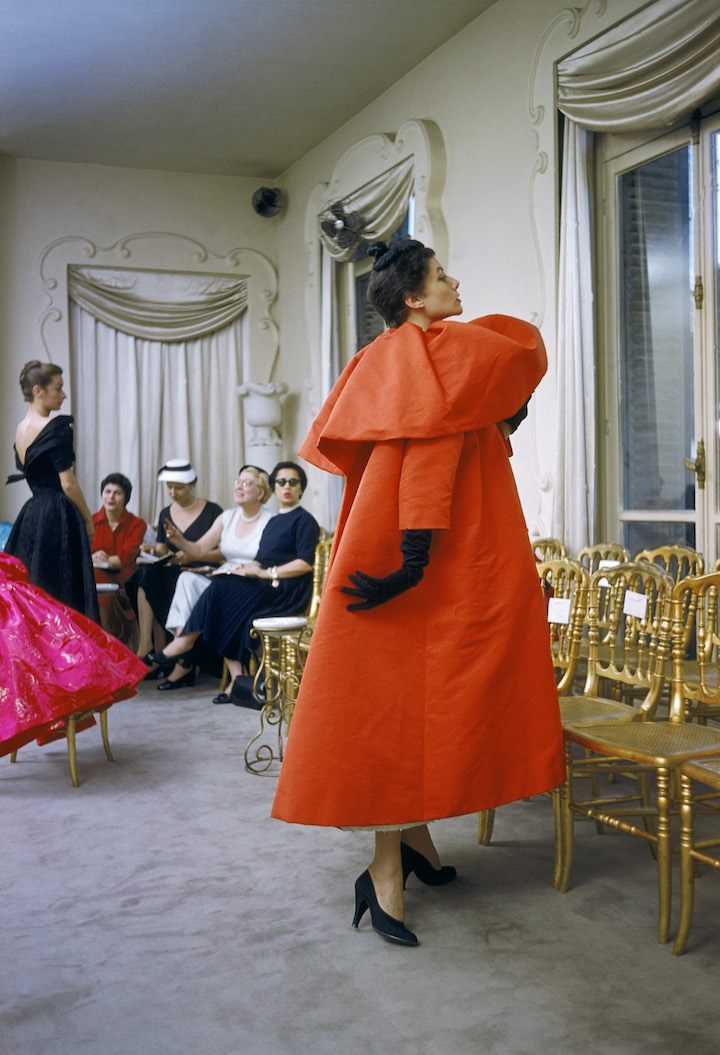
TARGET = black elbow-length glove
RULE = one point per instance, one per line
(518, 417)
(372, 592)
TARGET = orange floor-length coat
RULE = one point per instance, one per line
(442, 701)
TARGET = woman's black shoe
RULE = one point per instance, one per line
(385, 925)
(159, 659)
(184, 682)
(412, 861)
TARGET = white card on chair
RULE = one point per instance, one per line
(635, 604)
(559, 610)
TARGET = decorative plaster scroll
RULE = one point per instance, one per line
(542, 87)
(552, 46)
(158, 251)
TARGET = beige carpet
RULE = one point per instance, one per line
(157, 909)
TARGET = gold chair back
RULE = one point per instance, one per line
(630, 650)
(548, 548)
(320, 567)
(679, 562)
(565, 585)
(695, 691)
(590, 556)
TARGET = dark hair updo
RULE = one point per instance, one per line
(397, 271)
(121, 481)
(36, 373)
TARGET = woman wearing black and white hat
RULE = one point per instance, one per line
(151, 587)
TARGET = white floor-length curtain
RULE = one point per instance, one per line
(139, 400)
(647, 72)
(574, 495)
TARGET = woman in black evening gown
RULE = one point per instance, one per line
(53, 530)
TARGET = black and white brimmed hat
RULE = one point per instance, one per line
(177, 471)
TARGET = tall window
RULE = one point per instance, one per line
(658, 346)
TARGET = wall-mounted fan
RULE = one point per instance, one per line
(345, 228)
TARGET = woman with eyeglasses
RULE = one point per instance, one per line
(277, 582)
(236, 533)
(428, 691)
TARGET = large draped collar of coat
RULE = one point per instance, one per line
(413, 384)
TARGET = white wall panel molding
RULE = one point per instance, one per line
(158, 251)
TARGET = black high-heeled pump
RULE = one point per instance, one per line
(385, 925)
(412, 861)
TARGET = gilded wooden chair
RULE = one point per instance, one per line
(565, 583)
(626, 663)
(700, 697)
(643, 747)
(548, 548)
(696, 696)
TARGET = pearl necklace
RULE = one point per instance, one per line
(188, 509)
(249, 520)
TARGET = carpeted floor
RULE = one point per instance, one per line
(157, 909)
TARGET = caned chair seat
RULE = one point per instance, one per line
(649, 743)
(593, 709)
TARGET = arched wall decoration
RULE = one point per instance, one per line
(158, 251)
(365, 161)
(553, 45)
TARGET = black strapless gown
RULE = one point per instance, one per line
(49, 534)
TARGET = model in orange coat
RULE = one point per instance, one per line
(429, 690)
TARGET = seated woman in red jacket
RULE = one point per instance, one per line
(118, 535)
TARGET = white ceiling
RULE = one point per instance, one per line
(230, 87)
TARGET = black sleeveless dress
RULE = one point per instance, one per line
(159, 580)
(49, 534)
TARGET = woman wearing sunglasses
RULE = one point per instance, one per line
(278, 581)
